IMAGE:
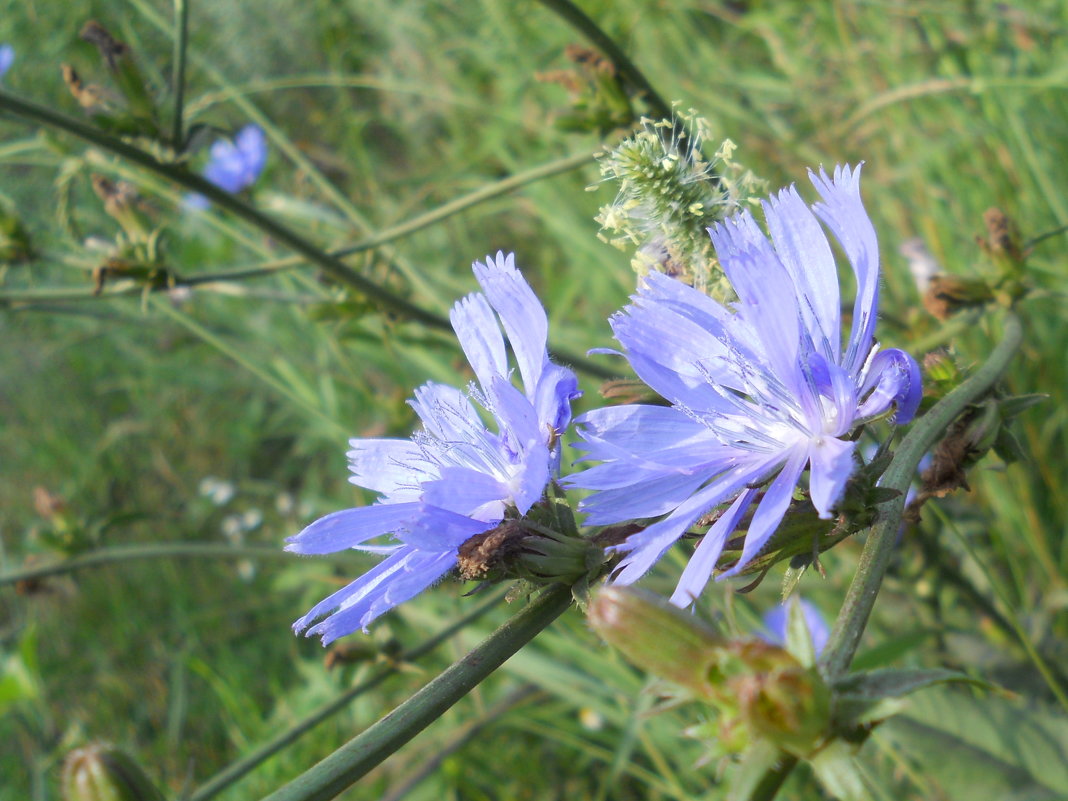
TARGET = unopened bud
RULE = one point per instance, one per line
(948, 294)
(104, 773)
(658, 637)
(791, 707)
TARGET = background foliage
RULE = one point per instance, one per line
(119, 408)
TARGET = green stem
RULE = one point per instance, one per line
(628, 72)
(457, 741)
(181, 39)
(368, 749)
(232, 203)
(882, 537)
(126, 553)
(247, 763)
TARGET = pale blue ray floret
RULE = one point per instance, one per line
(234, 166)
(776, 621)
(760, 388)
(7, 58)
(456, 477)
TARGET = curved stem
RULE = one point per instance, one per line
(235, 771)
(368, 749)
(126, 553)
(860, 598)
(630, 74)
(232, 203)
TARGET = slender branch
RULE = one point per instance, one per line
(353, 760)
(235, 771)
(860, 598)
(232, 203)
(628, 72)
(126, 553)
(181, 40)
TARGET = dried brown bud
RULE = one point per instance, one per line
(484, 553)
(111, 49)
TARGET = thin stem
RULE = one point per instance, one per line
(127, 553)
(455, 206)
(232, 203)
(181, 40)
(628, 72)
(235, 771)
(368, 749)
(882, 537)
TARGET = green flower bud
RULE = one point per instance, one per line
(790, 706)
(101, 772)
(659, 637)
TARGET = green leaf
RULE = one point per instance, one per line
(836, 769)
(894, 683)
(984, 748)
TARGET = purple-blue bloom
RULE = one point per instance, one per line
(776, 620)
(235, 165)
(760, 388)
(7, 58)
(456, 477)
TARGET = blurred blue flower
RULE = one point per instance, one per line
(760, 388)
(776, 619)
(456, 477)
(235, 165)
(7, 58)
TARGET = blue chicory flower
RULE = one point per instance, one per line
(456, 477)
(759, 388)
(7, 58)
(776, 620)
(235, 165)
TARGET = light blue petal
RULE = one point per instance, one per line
(770, 510)
(843, 211)
(646, 547)
(777, 619)
(480, 337)
(446, 412)
(7, 58)
(519, 422)
(469, 492)
(528, 485)
(650, 497)
(251, 143)
(831, 462)
(699, 569)
(395, 580)
(637, 429)
(802, 246)
(767, 299)
(521, 314)
(556, 389)
(351, 528)
(394, 467)
(442, 531)
(893, 377)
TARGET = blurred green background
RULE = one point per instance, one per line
(220, 416)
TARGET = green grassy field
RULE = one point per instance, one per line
(119, 407)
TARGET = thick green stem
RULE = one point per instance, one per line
(235, 771)
(126, 553)
(223, 199)
(853, 617)
(353, 760)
